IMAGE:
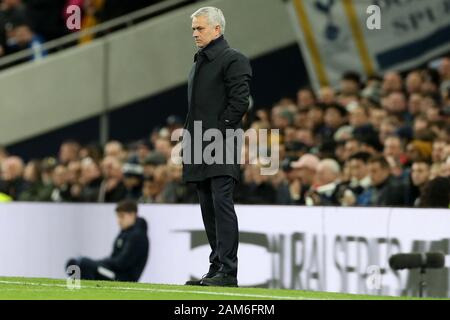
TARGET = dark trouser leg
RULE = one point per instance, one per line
(88, 268)
(226, 223)
(209, 221)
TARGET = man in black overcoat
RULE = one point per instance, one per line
(218, 97)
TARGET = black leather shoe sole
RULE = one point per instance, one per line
(193, 283)
(212, 283)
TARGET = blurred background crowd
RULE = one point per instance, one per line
(381, 141)
(26, 24)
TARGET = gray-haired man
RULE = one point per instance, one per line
(218, 94)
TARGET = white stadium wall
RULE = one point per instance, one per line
(327, 249)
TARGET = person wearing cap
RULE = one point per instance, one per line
(218, 98)
(130, 251)
(133, 174)
(153, 160)
(305, 169)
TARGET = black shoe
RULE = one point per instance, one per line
(199, 282)
(220, 279)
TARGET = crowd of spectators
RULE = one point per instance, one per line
(26, 24)
(384, 141)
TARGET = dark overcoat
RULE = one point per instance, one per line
(218, 96)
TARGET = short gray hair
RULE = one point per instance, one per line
(331, 165)
(215, 16)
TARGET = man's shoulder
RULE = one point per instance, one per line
(231, 54)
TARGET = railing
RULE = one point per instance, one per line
(101, 30)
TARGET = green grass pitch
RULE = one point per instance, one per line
(53, 289)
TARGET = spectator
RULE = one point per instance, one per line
(68, 151)
(112, 188)
(23, 37)
(388, 128)
(12, 13)
(88, 186)
(164, 147)
(133, 180)
(359, 182)
(91, 11)
(114, 149)
(377, 115)
(351, 147)
(153, 160)
(73, 172)
(350, 84)
(141, 152)
(304, 171)
(386, 190)
(334, 118)
(315, 119)
(257, 188)
(420, 173)
(438, 151)
(33, 185)
(175, 191)
(305, 98)
(397, 106)
(419, 149)
(415, 103)
(360, 122)
(60, 189)
(327, 96)
(151, 191)
(326, 180)
(130, 252)
(283, 186)
(414, 82)
(393, 149)
(436, 193)
(11, 181)
(92, 151)
(392, 81)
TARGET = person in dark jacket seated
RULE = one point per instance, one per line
(386, 190)
(130, 250)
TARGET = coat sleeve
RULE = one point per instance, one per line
(237, 76)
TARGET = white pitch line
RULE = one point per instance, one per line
(160, 290)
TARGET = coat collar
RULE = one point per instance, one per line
(213, 49)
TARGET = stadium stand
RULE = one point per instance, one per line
(380, 142)
(29, 24)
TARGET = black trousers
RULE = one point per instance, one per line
(220, 221)
(88, 268)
